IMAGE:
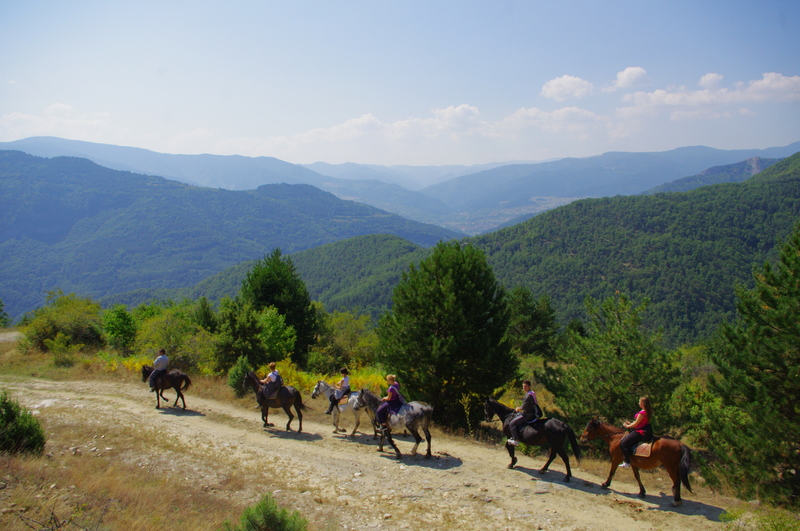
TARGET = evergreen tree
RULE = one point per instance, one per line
(445, 337)
(603, 370)
(239, 335)
(752, 416)
(120, 328)
(274, 281)
(5, 320)
(532, 328)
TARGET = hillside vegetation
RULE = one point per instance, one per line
(68, 223)
(684, 251)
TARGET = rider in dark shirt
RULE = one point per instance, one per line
(527, 412)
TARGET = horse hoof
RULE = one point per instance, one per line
(677, 503)
(566, 479)
(604, 485)
(543, 471)
(642, 495)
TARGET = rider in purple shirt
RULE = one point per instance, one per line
(391, 403)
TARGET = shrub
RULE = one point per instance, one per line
(77, 318)
(267, 516)
(19, 430)
(237, 374)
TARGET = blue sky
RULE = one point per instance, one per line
(403, 82)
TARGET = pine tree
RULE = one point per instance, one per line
(445, 337)
(274, 281)
(752, 416)
(604, 369)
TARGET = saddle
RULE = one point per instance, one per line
(272, 395)
(643, 449)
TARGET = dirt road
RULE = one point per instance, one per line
(328, 477)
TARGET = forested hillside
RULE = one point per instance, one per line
(68, 223)
(684, 251)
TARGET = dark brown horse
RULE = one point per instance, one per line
(551, 432)
(287, 397)
(173, 379)
(673, 455)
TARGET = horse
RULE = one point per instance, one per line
(412, 416)
(174, 379)
(551, 431)
(287, 397)
(670, 453)
(323, 388)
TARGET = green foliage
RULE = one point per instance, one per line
(236, 375)
(174, 330)
(604, 372)
(277, 337)
(5, 320)
(120, 328)
(239, 335)
(76, 318)
(266, 515)
(204, 316)
(532, 328)
(19, 430)
(346, 339)
(445, 337)
(274, 281)
(63, 352)
(752, 413)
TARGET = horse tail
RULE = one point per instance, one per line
(685, 466)
(574, 442)
(185, 382)
(298, 400)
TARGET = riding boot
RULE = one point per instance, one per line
(330, 407)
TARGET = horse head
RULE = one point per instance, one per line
(488, 410)
(317, 389)
(591, 431)
(146, 370)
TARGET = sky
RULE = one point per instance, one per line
(411, 82)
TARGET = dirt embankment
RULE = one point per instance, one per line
(348, 484)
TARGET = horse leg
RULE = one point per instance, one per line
(356, 420)
(616, 459)
(291, 417)
(265, 415)
(391, 441)
(427, 438)
(550, 459)
(177, 396)
(299, 417)
(417, 440)
(642, 492)
(564, 457)
(674, 474)
(510, 449)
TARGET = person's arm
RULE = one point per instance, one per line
(636, 422)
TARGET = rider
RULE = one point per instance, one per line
(159, 367)
(642, 431)
(391, 402)
(342, 390)
(527, 412)
(273, 380)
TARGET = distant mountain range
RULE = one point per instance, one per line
(467, 199)
(69, 223)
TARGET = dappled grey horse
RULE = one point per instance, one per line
(413, 416)
(324, 388)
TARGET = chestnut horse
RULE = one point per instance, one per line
(673, 455)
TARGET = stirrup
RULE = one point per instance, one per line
(512, 442)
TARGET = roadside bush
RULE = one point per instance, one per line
(236, 375)
(19, 430)
(267, 516)
(77, 318)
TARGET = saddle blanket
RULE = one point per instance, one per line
(343, 400)
(643, 450)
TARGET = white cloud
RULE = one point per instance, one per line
(710, 80)
(630, 77)
(58, 119)
(566, 87)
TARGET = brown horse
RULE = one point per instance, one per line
(673, 455)
(173, 379)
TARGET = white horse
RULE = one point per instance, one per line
(323, 388)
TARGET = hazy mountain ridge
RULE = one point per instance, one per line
(71, 224)
(731, 173)
(472, 202)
